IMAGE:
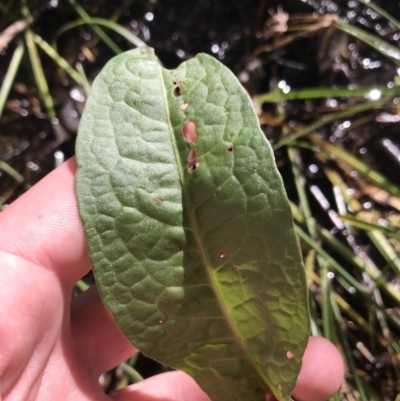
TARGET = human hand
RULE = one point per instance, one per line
(55, 349)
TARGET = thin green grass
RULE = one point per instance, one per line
(348, 112)
(37, 69)
(133, 375)
(134, 40)
(381, 11)
(60, 61)
(367, 226)
(341, 328)
(10, 75)
(354, 271)
(11, 171)
(85, 82)
(323, 93)
(383, 47)
(349, 279)
(102, 35)
(366, 171)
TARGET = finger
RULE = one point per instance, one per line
(322, 372)
(98, 341)
(43, 226)
(171, 386)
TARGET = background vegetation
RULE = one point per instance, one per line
(324, 78)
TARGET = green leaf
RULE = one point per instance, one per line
(188, 225)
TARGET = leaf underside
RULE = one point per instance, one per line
(188, 226)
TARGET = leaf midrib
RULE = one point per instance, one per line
(204, 257)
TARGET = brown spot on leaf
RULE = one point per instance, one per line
(230, 149)
(193, 163)
(189, 132)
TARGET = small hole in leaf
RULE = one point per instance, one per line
(192, 155)
(289, 355)
(223, 255)
(160, 322)
(189, 132)
(230, 149)
(158, 200)
(184, 106)
(193, 166)
(177, 91)
(193, 163)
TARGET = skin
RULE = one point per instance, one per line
(55, 349)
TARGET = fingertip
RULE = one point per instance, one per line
(322, 371)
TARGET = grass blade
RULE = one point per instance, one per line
(125, 33)
(339, 269)
(11, 171)
(37, 69)
(386, 250)
(300, 187)
(347, 351)
(82, 286)
(381, 11)
(40, 78)
(319, 93)
(357, 262)
(10, 75)
(60, 61)
(133, 374)
(104, 37)
(367, 226)
(365, 170)
(85, 83)
(347, 309)
(326, 292)
(377, 43)
(349, 112)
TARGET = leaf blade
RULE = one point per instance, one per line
(187, 218)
